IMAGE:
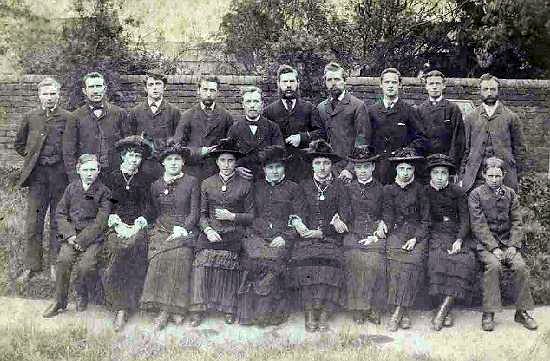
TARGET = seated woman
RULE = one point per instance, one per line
(407, 216)
(364, 245)
(125, 249)
(226, 209)
(451, 261)
(317, 260)
(262, 294)
(175, 202)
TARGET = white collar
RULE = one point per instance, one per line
(152, 102)
(51, 110)
(86, 187)
(341, 96)
(388, 103)
(327, 179)
(437, 100)
(253, 120)
(401, 184)
(203, 106)
(490, 109)
(366, 182)
(285, 103)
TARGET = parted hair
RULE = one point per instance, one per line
(434, 73)
(91, 75)
(85, 158)
(250, 89)
(488, 77)
(49, 81)
(155, 74)
(390, 71)
(208, 78)
(286, 69)
(333, 66)
(494, 162)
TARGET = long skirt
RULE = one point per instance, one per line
(365, 280)
(319, 286)
(125, 262)
(262, 295)
(450, 275)
(215, 278)
(168, 282)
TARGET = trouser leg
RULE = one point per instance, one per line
(522, 293)
(65, 261)
(492, 268)
(86, 269)
(37, 204)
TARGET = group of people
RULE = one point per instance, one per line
(339, 206)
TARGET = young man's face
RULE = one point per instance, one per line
(493, 177)
(131, 160)
(173, 164)
(274, 171)
(439, 176)
(88, 171)
(94, 89)
(405, 172)
(363, 171)
(488, 90)
(252, 104)
(208, 92)
(435, 86)
(226, 163)
(288, 85)
(49, 96)
(335, 82)
(154, 88)
(321, 167)
(390, 85)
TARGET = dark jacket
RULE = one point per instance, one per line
(238, 198)
(87, 134)
(268, 133)
(495, 218)
(344, 127)
(504, 130)
(393, 129)
(161, 126)
(84, 214)
(33, 133)
(444, 129)
(197, 129)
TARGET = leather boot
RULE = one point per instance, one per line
(229, 318)
(53, 310)
(526, 320)
(374, 316)
(405, 322)
(449, 320)
(442, 313)
(395, 319)
(161, 321)
(323, 321)
(310, 324)
(196, 319)
(488, 321)
(120, 320)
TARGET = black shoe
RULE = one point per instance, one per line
(449, 320)
(196, 319)
(374, 317)
(488, 321)
(81, 303)
(525, 319)
(405, 322)
(120, 320)
(53, 310)
(229, 318)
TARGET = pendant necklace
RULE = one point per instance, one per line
(320, 191)
(128, 180)
(224, 183)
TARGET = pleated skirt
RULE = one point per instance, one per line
(366, 285)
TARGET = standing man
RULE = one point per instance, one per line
(96, 127)
(495, 216)
(395, 125)
(442, 120)
(492, 130)
(155, 118)
(295, 119)
(202, 127)
(344, 119)
(253, 134)
(39, 140)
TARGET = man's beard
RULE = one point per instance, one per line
(490, 100)
(208, 102)
(288, 94)
(336, 92)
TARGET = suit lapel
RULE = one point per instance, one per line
(213, 122)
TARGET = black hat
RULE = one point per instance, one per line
(406, 155)
(136, 142)
(272, 154)
(362, 154)
(320, 148)
(174, 149)
(440, 160)
(226, 145)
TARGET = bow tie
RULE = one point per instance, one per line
(95, 106)
(252, 122)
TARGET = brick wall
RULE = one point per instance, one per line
(529, 98)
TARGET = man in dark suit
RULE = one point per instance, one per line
(39, 140)
(155, 118)
(343, 119)
(442, 120)
(253, 133)
(96, 127)
(492, 130)
(395, 125)
(295, 118)
(202, 126)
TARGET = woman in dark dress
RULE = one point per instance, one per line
(451, 261)
(365, 245)
(175, 201)
(407, 216)
(262, 294)
(318, 258)
(226, 209)
(125, 249)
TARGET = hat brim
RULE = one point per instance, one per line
(415, 159)
(367, 160)
(144, 150)
(185, 154)
(449, 165)
(217, 152)
(276, 160)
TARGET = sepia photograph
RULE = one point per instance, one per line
(313, 180)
